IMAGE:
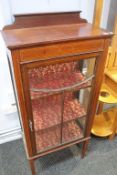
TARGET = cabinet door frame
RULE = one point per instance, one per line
(63, 59)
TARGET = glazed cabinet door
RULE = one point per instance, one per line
(57, 96)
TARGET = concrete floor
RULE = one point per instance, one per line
(101, 159)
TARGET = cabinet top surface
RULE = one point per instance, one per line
(49, 30)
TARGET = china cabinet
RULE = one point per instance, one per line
(57, 62)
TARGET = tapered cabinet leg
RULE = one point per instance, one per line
(84, 148)
(32, 166)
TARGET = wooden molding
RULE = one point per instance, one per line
(45, 19)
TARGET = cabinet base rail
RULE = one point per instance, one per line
(58, 148)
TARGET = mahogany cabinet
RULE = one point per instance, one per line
(57, 62)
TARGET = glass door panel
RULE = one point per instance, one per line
(59, 99)
(47, 111)
(47, 120)
(75, 114)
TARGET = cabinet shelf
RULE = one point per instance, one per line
(52, 137)
(47, 112)
(69, 81)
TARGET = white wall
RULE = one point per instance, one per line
(87, 8)
(5, 13)
(31, 6)
(6, 90)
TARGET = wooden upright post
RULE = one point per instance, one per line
(96, 22)
(98, 12)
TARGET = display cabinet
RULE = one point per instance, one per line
(56, 61)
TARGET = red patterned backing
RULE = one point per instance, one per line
(54, 77)
(47, 111)
(50, 138)
(52, 71)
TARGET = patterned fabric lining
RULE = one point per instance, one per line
(47, 111)
(52, 137)
(54, 77)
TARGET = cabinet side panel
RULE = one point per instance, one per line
(21, 101)
(100, 64)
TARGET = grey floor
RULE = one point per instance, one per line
(101, 159)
